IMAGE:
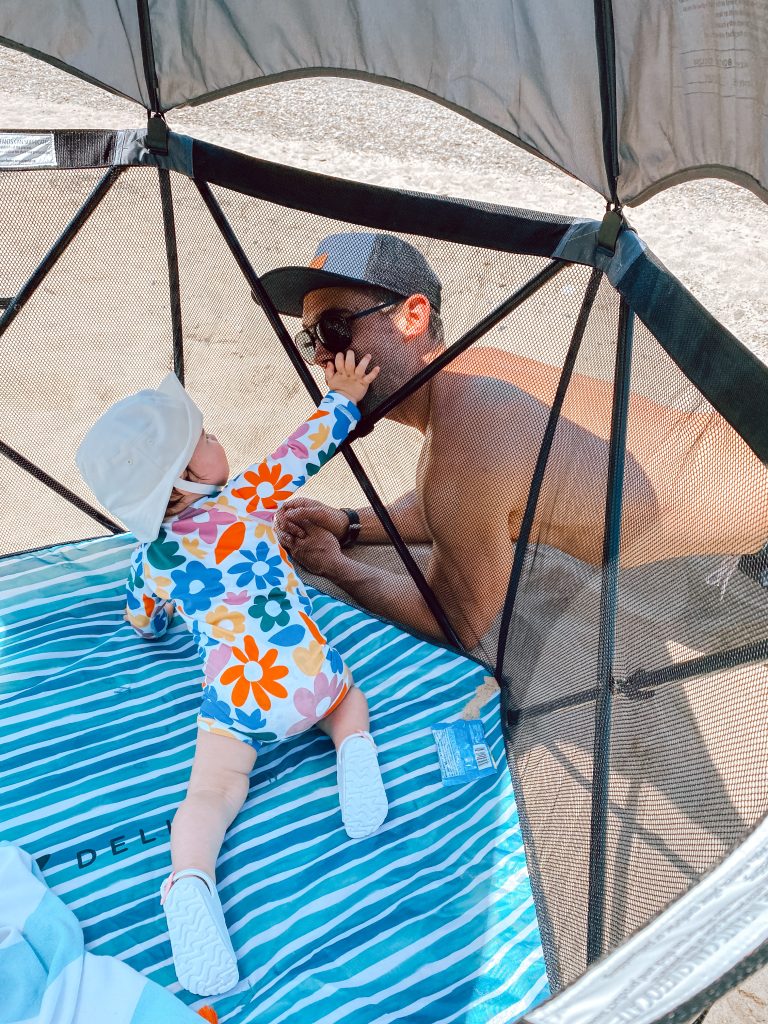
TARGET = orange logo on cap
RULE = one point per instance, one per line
(319, 261)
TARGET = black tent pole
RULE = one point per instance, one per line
(643, 683)
(481, 328)
(172, 256)
(521, 545)
(55, 485)
(57, 249)
(609, 586)
(148, 55)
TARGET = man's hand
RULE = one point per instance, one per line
(315, 548)
(293, 519)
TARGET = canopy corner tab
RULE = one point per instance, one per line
(157, 134)
(612, 223)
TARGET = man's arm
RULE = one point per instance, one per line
(301, 514)
(469, 577)
(392, 595)
(406, 513)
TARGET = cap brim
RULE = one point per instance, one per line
(288, 286)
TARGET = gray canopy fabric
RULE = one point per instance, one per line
(656, 92)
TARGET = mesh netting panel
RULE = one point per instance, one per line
(688, 775)
(97, 328)
(687, 769)
(35, 208)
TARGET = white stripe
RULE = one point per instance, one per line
(431, 966)
(373, 858)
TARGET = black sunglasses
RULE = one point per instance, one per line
(332, 330)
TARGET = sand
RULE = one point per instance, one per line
(711, 234)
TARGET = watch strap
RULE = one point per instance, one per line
(353, 528)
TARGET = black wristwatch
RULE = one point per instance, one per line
(352, 531)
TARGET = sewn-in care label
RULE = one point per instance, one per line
(463, 751)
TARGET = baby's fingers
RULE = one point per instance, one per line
(362, 366)
(372, 375)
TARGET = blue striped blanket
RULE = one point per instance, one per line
(432, 920)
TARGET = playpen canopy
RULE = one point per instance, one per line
(629, 98)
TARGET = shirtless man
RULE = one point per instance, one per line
(691, 485)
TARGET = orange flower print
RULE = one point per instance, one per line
(312, 627)
(255, 675)
(137, 621)
(267, 490)
(227, 625)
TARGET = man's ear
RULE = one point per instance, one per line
(412, 316)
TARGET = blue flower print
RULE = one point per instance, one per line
(343, 421)
(214, 708)
(259, 568)
(335, 661)
(254, 722)
(196, 587)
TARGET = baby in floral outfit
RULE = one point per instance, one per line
(210, 553)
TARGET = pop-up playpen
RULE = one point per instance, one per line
(617, 860)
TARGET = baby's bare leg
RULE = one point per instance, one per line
(361, 790)
(217, 790)
(350, 716)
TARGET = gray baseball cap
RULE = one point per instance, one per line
(355, 258)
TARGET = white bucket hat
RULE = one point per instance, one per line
(132, 456)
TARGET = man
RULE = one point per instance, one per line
(691, 485)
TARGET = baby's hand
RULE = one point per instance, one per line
(350, 380)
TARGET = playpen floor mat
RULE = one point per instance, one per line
(430, 920)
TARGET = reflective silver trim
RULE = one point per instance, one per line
(18, 149)
(686, 948)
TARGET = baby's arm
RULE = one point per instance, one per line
(149, 615)
(264, 487)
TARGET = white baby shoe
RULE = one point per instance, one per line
(361, 791)
(203, 956)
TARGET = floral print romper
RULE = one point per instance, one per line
(269, 672)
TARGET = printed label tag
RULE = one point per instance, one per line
(463, 751)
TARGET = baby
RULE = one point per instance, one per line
(209, 551)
